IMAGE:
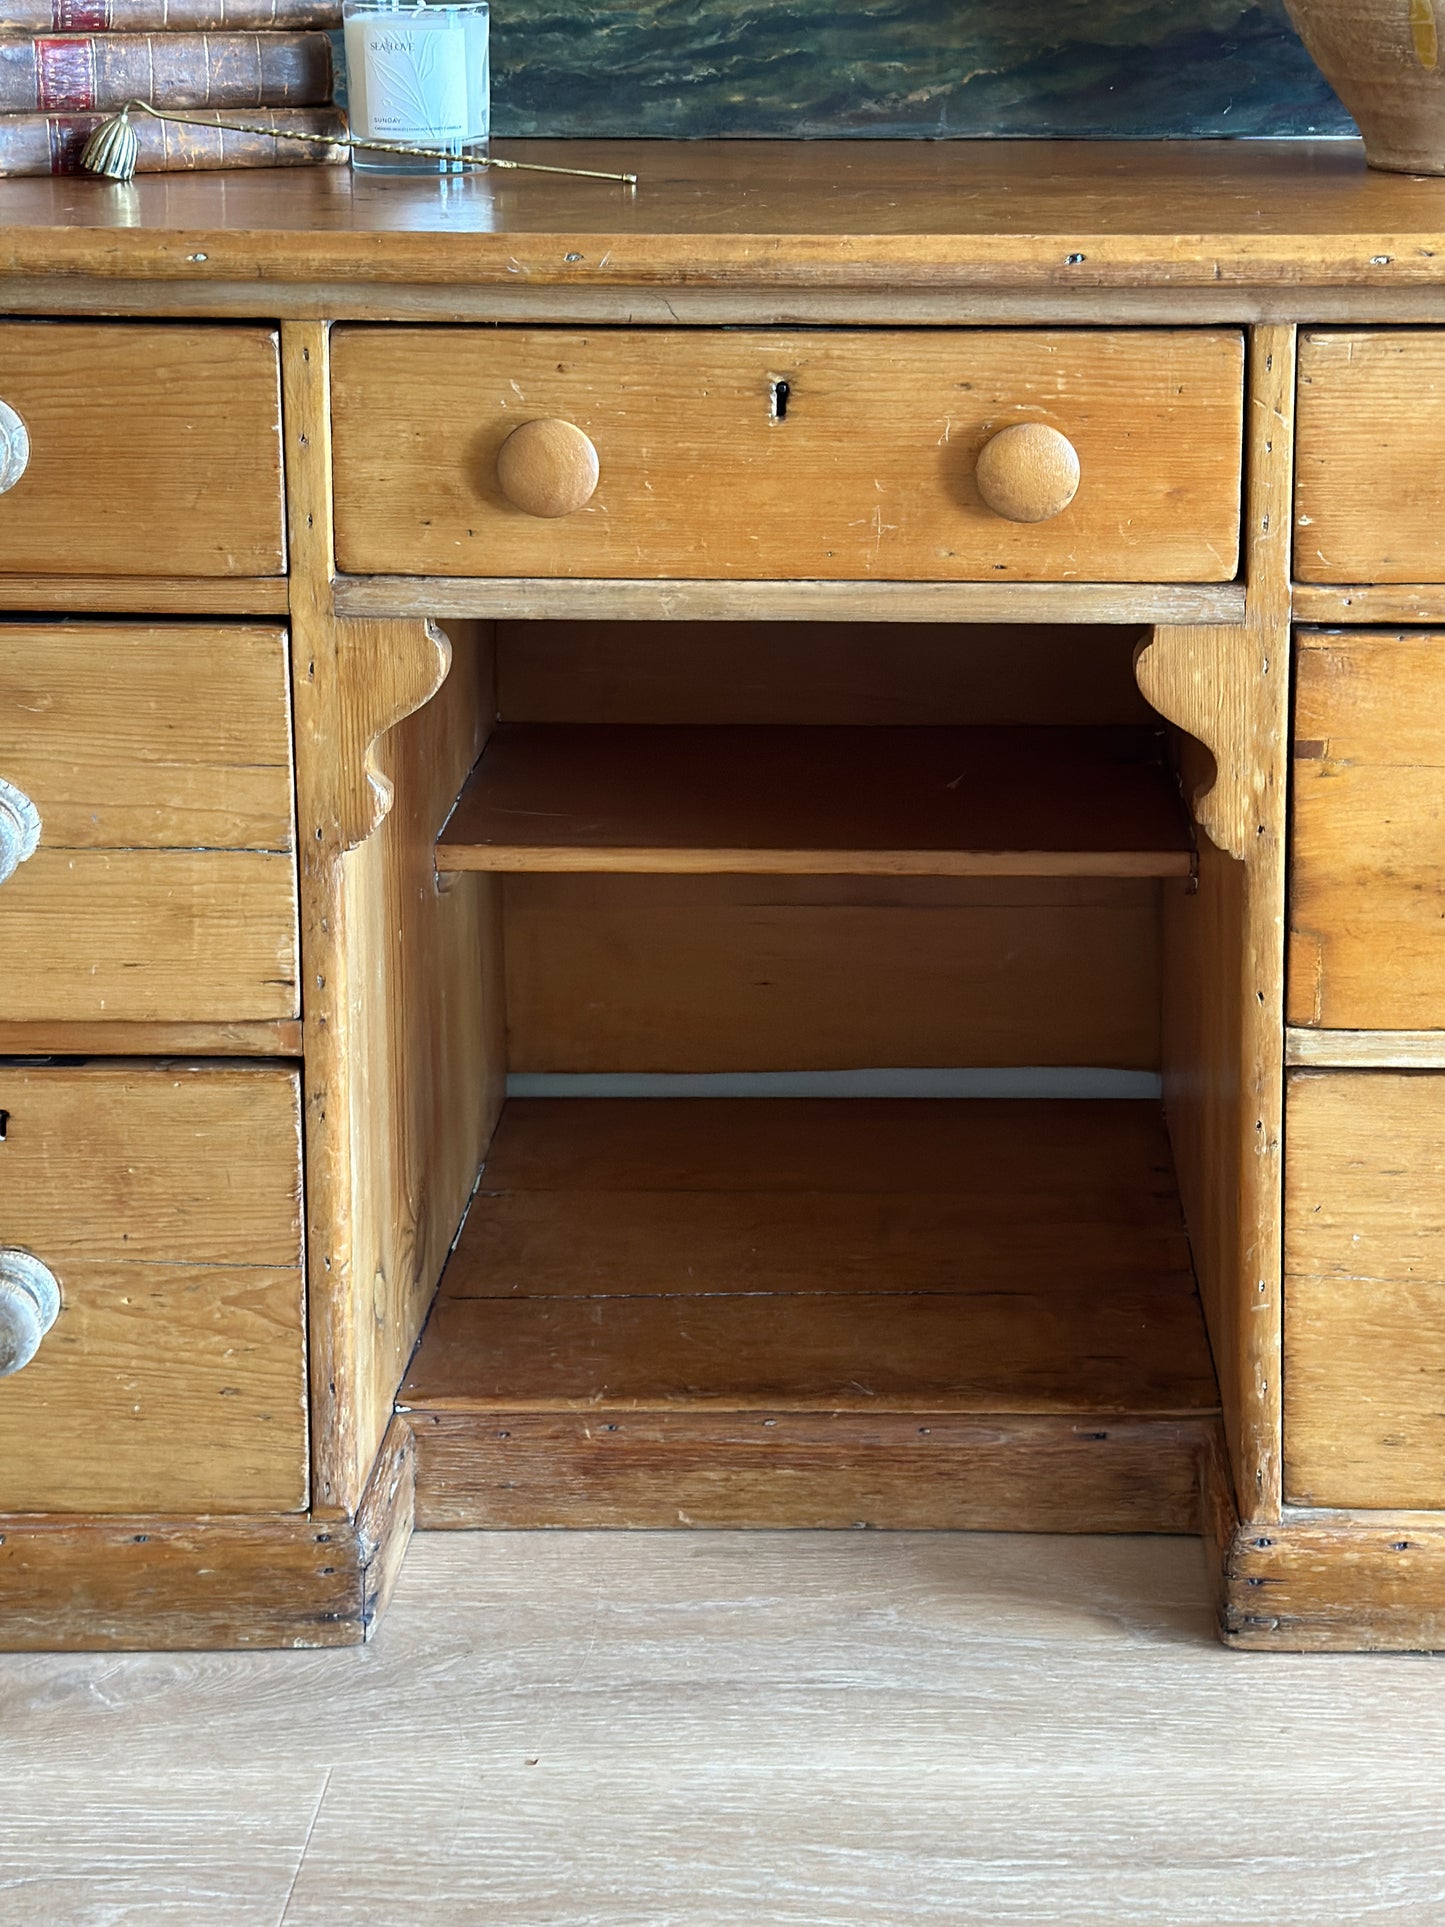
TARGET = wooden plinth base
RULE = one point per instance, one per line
(1310, 1583)
(91, 1585)
(760, 1469)
(1318, 1582)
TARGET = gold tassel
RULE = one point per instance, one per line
(113, 150)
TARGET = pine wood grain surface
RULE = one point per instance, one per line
(1223, 949)
(786, 1730)
(838, 671)
(166, 1199)
(1364, 1318)
(917, 214)
(159, 759)
(715, 973)
(1369, 602)
(666, 973)
(189, 417)
(776, 1315)
(1367, 940)
(676, 599)
(1371, 413)
(920, 801)
(754, 453)
(403, 1032)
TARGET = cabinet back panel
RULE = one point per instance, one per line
(625, 973)
(628, 973)
(816, 672)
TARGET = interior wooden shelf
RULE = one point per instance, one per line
(815, 801)
(1002, 1286)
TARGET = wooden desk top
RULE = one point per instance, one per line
(836, 214)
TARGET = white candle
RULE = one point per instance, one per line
(417, 73)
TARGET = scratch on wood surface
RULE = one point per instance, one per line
(301, 1857)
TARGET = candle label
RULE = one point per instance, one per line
(416, 81)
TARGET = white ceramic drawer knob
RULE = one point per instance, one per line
(29, 1306)
(1028, 473)
(547, 468)
(19, 828)
(14, 447)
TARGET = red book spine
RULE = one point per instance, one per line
(81, 16)
(64, 75)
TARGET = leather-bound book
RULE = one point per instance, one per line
(52, 143)
(72, 73)
(164, 16)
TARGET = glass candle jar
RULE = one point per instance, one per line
(419, 74)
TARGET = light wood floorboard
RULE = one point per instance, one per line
(712, 1729)
(152, 1846)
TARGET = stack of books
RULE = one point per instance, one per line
(68, 65)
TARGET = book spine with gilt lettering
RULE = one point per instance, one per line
(52, 143)
(165, 16)
(74, 73)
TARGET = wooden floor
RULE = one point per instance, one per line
(736, 1730)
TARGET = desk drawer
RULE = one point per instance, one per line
(848, 455)
(1367, 878)
(166, 1200)
(1370, 466)
(1364, 1329)
(156, 762)
(153, 450)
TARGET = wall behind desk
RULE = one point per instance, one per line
(925, 69)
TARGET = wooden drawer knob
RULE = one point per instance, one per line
(547, 468)
(19, 829)
(29, 1306)
(14, 447)
(1028, 473)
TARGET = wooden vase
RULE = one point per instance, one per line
(1383, 59)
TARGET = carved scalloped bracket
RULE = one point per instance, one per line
(1214, 684)
(386, 671)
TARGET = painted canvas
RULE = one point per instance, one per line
(926, 69)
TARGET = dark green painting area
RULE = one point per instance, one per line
(929, 69)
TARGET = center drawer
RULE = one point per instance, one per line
(960, 455)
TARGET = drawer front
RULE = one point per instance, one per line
(162, 882)
(1370, 457)
(166, 1200)
(1364, 1364)
(795, 455)
(1367, 884)
(154, 450)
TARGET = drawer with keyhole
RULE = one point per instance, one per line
(927, 455)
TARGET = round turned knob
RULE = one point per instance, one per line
(29, 1306)
(1028, 472)
(14, 447)
(547, 468)
(19, 829)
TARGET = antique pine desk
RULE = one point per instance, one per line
(937, 618)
